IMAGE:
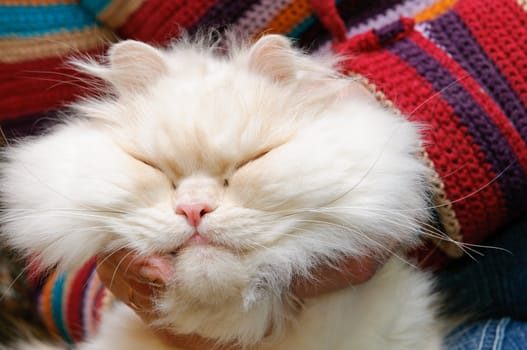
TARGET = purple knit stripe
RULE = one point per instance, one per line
(389, 32)
(451, 33)
(223, 14)
(479, 125)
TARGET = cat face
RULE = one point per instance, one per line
(245, 169)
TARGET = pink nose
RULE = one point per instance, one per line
(193, 212)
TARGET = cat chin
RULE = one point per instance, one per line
(222, 318)
(214, 294)
(209, 275)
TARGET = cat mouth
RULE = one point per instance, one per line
(197, 240)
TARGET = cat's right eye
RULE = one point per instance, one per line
(145, 162)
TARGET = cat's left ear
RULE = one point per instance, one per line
(134, 65)
(274, 57)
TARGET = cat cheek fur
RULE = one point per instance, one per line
(64, 191)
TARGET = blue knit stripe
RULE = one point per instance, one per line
(57, 307)
(28, 21)
(95, 7)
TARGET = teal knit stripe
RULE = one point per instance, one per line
(301, 27)
(27, 21)
(304, 25)
(58, 308)
(94, 7)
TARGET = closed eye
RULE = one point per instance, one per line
(153, 166)
(145, 161)
(253, 158)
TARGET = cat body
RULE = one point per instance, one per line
(366, 317)
(349, 319)
(247, 171)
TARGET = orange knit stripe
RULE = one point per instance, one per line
(435, 10)
(45, 301)
(288, 18)
(50, 45)
(36, 2)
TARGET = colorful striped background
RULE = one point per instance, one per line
(37, 36)
(459, 67)
(463, 73)
(71, 304)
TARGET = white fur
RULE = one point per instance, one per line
(314, 175)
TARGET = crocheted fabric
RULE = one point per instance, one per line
(459, 67)
(463, 75)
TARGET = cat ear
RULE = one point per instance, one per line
(135, 65)
(273, 56)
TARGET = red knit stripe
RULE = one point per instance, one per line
(517, 15)
(36, 86)
(75, 300)
(502, 36)
(137, 25)
(457, 159)
(488, 104)
(326, 11)
(496, 212)
(34, 102)
(158, 21)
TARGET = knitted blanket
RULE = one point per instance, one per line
(463, 75)
(459, 67)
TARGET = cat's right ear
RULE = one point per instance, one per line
(135, 65)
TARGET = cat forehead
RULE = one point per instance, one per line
(209, 120)
(211, 95)
(211, 103)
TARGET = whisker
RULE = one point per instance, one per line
(5, 294)
(434, 95)
(117, 268)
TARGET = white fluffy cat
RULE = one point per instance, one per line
(248, 169)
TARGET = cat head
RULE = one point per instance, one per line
(250, 166)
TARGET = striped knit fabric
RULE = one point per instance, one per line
(459, 67)
(463, 74)
(37, 36)
(71, 304)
